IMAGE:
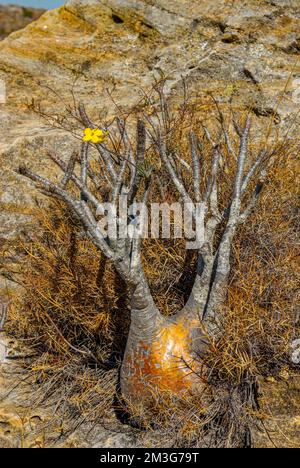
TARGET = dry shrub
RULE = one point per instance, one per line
(74, 315)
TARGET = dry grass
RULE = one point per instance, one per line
(74, 315)
(69, 316)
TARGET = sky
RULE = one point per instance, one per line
(34, 3)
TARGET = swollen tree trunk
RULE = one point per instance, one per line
(159, 353)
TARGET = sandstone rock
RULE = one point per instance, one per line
(13, 17)
(230, 37)
(281, 404)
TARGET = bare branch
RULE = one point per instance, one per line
(137, 240)
(140, 157)
(241, 160)
(236, 126)
(200, 290)
(212, 183)
(164, 108)
(225, 132)
(260, 159)
(196, 165)
(84, 117)
(182, 162)
(106, 156)
(128, 149)
(3, 312)
(141, 141)
(69, 170)
(119, 181)
(208, 136)
(84, 162)
(83, 188)
(252, 202)
(161, 146)
(80, 210)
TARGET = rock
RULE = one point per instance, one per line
(14, 17)
(255, 72)
(281, 404)
(231, 37)
(295, 351)
(118, 440)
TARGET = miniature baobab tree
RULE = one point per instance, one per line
(164, 352)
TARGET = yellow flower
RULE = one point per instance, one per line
(87, 134)
(94, 135)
